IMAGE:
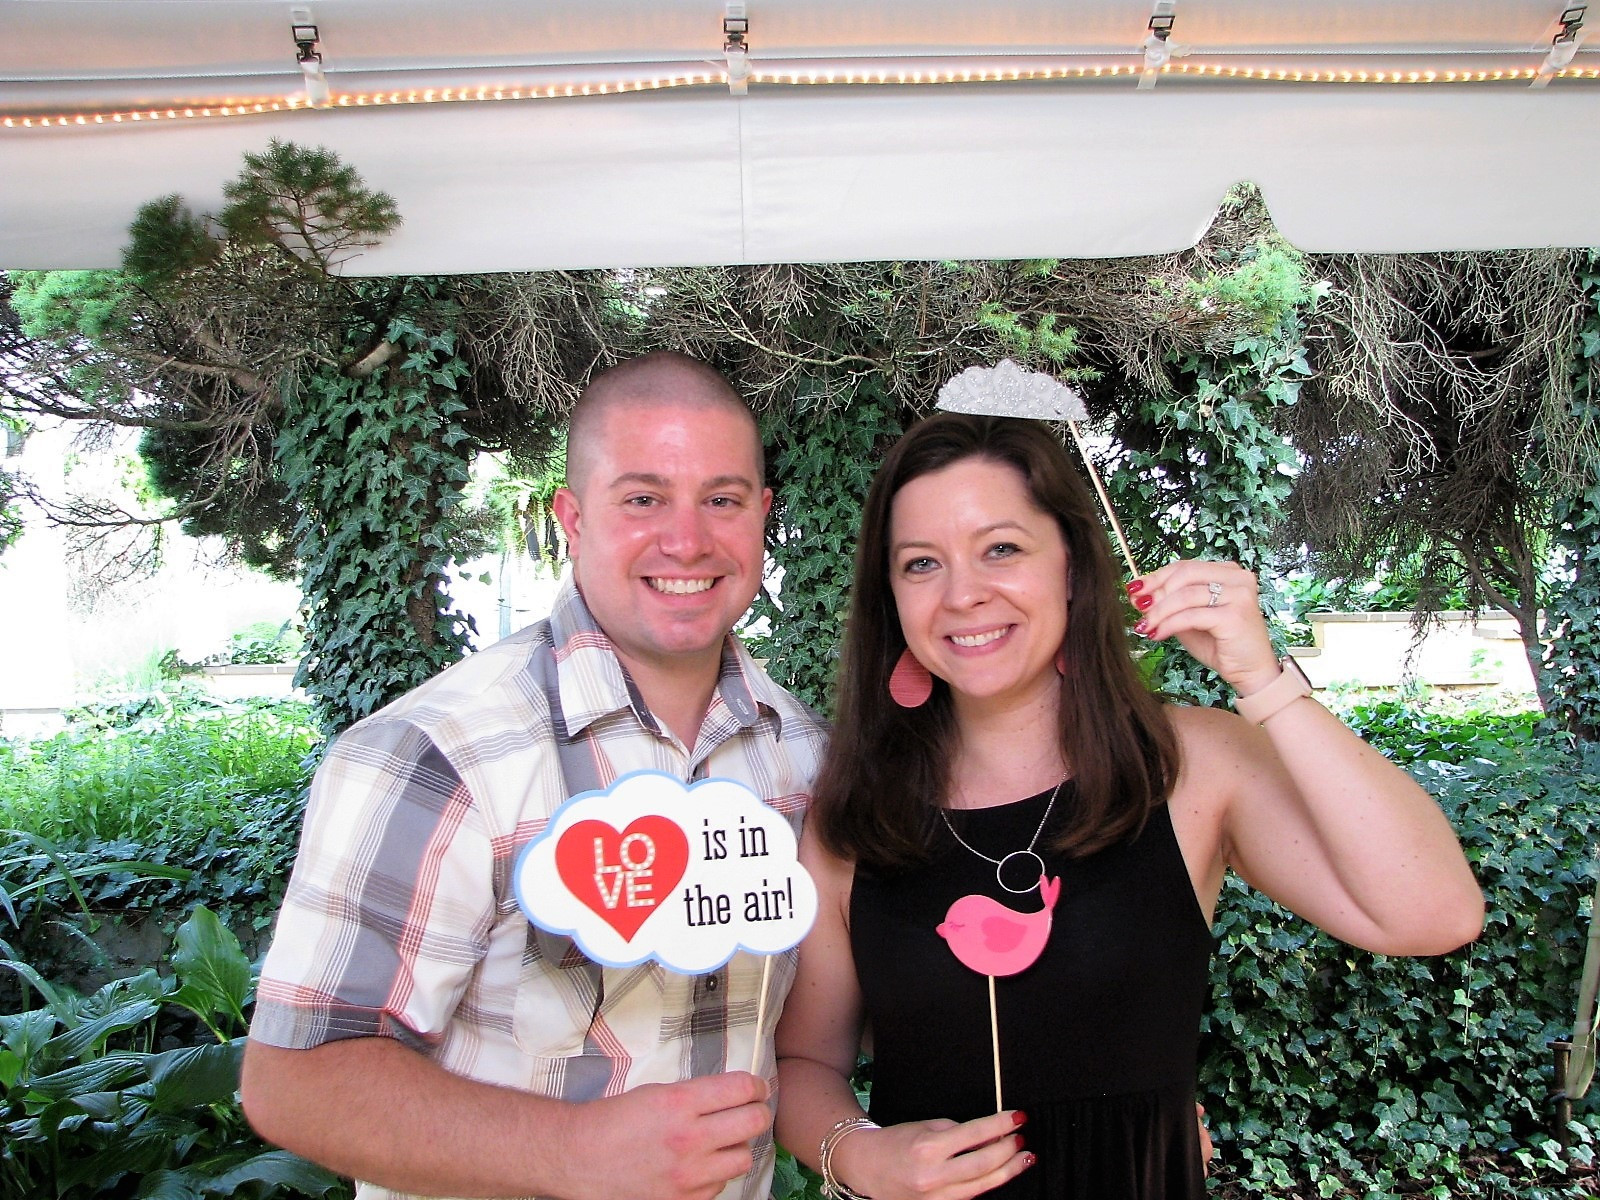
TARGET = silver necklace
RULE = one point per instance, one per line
(1000, 863)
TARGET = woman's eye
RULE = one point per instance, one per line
(1004, 549)
(918, 566)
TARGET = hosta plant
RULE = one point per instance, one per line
(132, 1090)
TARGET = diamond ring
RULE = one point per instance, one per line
(1215, 589)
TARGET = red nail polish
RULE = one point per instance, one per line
(1142, 627)
(1029, 1159)
(1136, 586)
(1018, 1117)
(1143, 602)
(1021, 1145)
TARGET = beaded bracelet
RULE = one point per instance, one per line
(831, 1187)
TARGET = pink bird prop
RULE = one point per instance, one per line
(995, 940)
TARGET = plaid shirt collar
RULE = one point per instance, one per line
(594, 683)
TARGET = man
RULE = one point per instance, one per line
(412, 1029)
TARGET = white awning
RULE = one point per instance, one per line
(1418, 126)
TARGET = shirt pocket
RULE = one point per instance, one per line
(569, 1006)
(560, 991)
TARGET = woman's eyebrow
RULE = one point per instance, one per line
(1005, 524)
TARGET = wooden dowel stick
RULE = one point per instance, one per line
(761, 1012)
(994, 1039)
(1105, 500)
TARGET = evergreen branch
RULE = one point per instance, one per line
(246, 381)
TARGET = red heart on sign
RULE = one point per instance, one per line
(623, 876)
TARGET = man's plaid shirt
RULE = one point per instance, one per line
(400, 919)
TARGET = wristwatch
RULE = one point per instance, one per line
(1276, 696)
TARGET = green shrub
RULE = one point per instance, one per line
(1400, 589)
(153, 771)
(1329, 1071)
(1409, 733)
(31, 867)
(139, 811)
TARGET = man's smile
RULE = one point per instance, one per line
(680, 587)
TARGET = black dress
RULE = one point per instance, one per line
(1098, 1038)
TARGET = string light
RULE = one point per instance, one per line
(879, 76)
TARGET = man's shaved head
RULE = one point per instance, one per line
(663, 511)
(660, 378)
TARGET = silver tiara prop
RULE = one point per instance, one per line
(1007, 390)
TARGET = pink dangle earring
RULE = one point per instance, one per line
(1061, 651)
(910, 684)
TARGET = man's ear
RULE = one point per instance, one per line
(566, 505)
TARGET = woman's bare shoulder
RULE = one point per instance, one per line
(1218, 751)
(1199, 799)
(1210, 734)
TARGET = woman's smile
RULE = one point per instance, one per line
(973, 641)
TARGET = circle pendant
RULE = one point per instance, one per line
(1000, 872)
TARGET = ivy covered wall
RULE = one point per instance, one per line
(820, 472)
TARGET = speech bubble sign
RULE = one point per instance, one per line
(651, 868)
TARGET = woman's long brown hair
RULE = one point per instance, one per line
(888, 768)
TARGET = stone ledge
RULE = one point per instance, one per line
(250, 669)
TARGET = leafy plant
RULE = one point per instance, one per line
(30, 867)
(95, 1102)
(1411, 734)
(153, 771)
(1572, 662)
(523, 511)
(1399, 588)
(141, 809)
(792, 1181)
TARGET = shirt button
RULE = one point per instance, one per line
(711, 983)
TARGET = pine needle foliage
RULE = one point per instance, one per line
(305, 203)
(165, 241)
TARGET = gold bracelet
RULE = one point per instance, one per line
(831, 1187)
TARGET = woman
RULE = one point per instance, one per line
(1039, 773)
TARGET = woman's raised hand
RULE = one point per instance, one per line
(933, 1160)
(1213, 610)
